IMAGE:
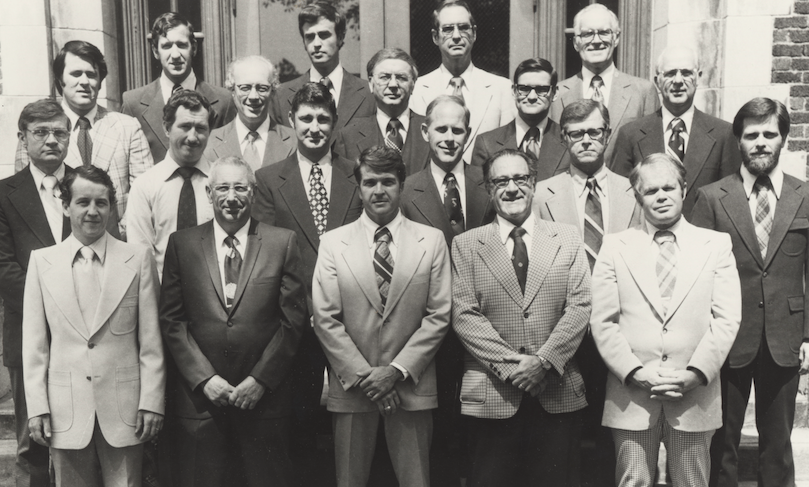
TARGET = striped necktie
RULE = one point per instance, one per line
(764, 214)
(393, 138)
(383, 262)
(676, 141)
(666, 267)
(593, 222)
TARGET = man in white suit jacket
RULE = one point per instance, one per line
(666, 310)
(92, 353)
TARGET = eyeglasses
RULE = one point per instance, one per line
(594, 134)
(589, 35)
(42, 134)
(541, 91)
(260, 89)
(385, 78)
(685, 73)
(225, 189)
(522, 180)
(449, 29)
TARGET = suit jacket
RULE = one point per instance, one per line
(146, 104)
(712, 151)
(553, 155)
(555, 200)
(773, 298)
(422, 203)
(491, 103)
(257, 336)
(224, 142)
(104, 371)
(357, 332)
(631, 329)
(363, 133)
(493, 318)
(630, 98)
(356, 99)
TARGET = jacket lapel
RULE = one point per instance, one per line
(622, 204)
(736, 206)
(415, 152)
(652, 141)
(152, 102)
(507, 138)
(103, 152)
(544, 248)
(478, 203)
(248, 263)
(551, 151)
(620, 93)
(294, 194)
(700, 145)
(785, 210)
(493, 254)
(342, 192)
(58, 279)
(428, 201)
(357, 258)
(228, 142)
(478, 105)
(637, 255)
(688, 269)
(562, 202)
(208, 244)
(350, 97)
(25, 199)
(409, 256)
(118, 276)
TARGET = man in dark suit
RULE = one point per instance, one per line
(392, 74)
(252, 135)
(532, 131)
(323, 29)
(766, 213)
(174, 45)
(704, 144)
(232, 311)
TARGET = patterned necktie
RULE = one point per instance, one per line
(597, 83)
(325, 81)
(593, 222)
(176, 89)
(84, 141)
(452, 203)
(187, 207)
(764, 214)
(393, 139)
(530, 143)
(666, 267)
(457, 85)
(676, 141)
(318, 199)
(251, 151)
(519, 258)
(88, 289)
(383, 262)
(233, 264)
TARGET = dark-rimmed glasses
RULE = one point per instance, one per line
(42, 134)
(594, 134)
(522, 180)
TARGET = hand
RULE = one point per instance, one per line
(378, 381)
(388, 403)
(803, 354)
(217, 390)
(40, 429)
(247, 394)
(530, 375)
(148, 425)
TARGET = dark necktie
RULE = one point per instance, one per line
(233, 264)
(85, 142)
(676, 141)
(593, 223)
(530, 143)
(176, 89)
(251, 151)
(519, 258)
(318, 199)
(325, 81)
(452, 204)
(383, 262)
(457, 85)
(764, 214)
(597, 83)
(666, 267)
(187, 208)
(393, 138)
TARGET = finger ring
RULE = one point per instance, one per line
(370, 394)
(387, 408)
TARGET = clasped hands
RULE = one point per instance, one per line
(530, 375)
(377, 383)
(665, 384)
(244, 396)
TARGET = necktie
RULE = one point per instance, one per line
(676, 141)
(251, 151)
(187, 208)
(176, 89)
(233, 264)
(457, 84)
(393, 138)
(593, 222)
(383, 262)
(764, 214)
(49, 184)
(318, 199)
(597, 83)
(49, 194)
(519, 258)
(88, 289)
(325, 81)
(85, 142)
(666, 267)
(452, 203)
(530, 143)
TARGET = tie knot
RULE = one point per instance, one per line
(517, 232)
(592, 184)
(325, 81)
(176, 88)
(231, 241)
(49, 182)
(663, 236)
(677, 125)
(456, 82)
(186, 172)
(394, 125)
(382, 234)
(449, 179)
(532, 134)
(597, 82)
(763, 183)
(87, 254)
(252, 136)
(316, 170)
(84, 124)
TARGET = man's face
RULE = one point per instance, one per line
(313, 126)
(231, 194)
(455, 35)
(677, 80)
(660, 195)
(79, 84)
(46, 150)
(379, 192)
(596, 49)
(252, 91)
(188, 136)
(321, 42)
(760, 145)
(392, 84)
(175, 52)
(512, 200)
(587, 154)
(446, 134)
(533, 104)
(89, 210)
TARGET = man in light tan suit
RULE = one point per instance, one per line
(381, 299)
(92, 354)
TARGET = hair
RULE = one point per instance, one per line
(529, 159)
(536, 65)
(381, 158)
(83, 50)
(761, 110)
(671, 48)
(452, 3)
(674, 164)
(578, 111)
(166, 22)
(234, 161)
(189, 99)
(391, 53)
(314, 11)
(39, 110)
(317, 95)
(90, 173)
(616, 25)
(230, 82)
(428, 116)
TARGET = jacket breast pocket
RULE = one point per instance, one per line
(125, 319)
(127, 391)
(473, 387)
(794, 243)
(60, 400)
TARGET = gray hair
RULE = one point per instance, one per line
(671, 48)
(230, 82)
(596, 6)
(233, 161)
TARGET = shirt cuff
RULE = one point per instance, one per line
(401, 369)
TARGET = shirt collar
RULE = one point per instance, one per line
(99, 246)
(606, 76)
(686, 117)
(219, 233)
(506, 226)
(439, 174)
(242, 130)
(371, 226)
(166, 85)
(522, 128)
(446, 76)
(74, 117)
(336, 76)
(169, 167)
(678, 229)
(580, 179)
(382, 119)
(39, 175)
(776, 178)
(324, 161)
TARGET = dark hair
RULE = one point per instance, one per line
(760, 110)
(166, 22)
(317, 95)
(428, 115)
(90, 173)
(189, 99)
(529, 159)
(381, 158)
(452, 3)
(311, 13)
(657, 158)
(44, 109)
(391, 53)
(83, 50)
(536, 65)
(578, 111)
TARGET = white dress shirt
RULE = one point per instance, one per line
(336, 78)
(580, 191)
(305, 166)
(222, 250)
(167, 85)
(50, 202)
(439, 175)
(446, 77)
(74, 121)
(382, 120)
(505, 229)
(748, 180)
(687, 118)
(100, 249)
(587, 78)
(522, 129)
(260, 143)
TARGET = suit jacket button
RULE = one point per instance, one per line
(491, 366)
(665, 357)
(761, 304)
(765, 274)
(91, 345)
(522, 349)
(230, 323)
(525, 315)
(89, 378)
(665, 330)
(226, 353)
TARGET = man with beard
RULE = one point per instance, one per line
(766, 213)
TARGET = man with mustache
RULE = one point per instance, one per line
(704, 144)
(766, 213)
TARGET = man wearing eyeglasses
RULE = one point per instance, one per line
(487, 95)
(253, 135)
(704, 144)
(520, 306)
(532, 131)
(628, 98)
